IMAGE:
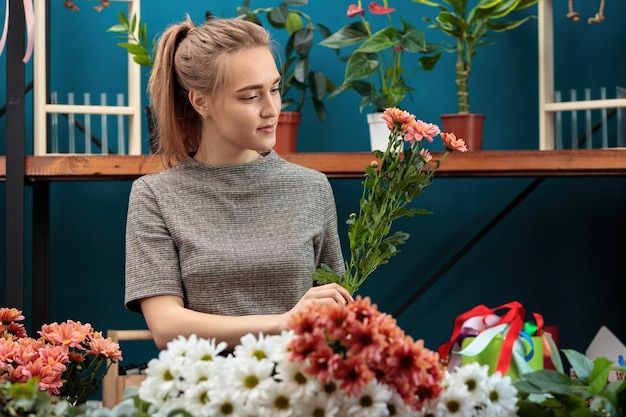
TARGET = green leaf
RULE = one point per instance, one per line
(318, 84)
(278, 16)
(599, 376)
(301, 70)
(532, 409)
(504, 8)
(360, 66)
(325, 275)
(348, 35)
(546, 380)
(320, 109)
(340, 89)
(429, 62)
(118, 29)
(583, 366)
(303, 41)
(413, 40)
(504, 26)
(294, 23)
(296, 2)
(575, 404)
(379, 41)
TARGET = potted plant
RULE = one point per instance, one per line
(374, 67)
(299, 81)
(470, 28)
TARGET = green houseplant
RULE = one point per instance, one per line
(588, 393)
(470, 27)
(374, 67)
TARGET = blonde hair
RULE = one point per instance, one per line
(193, 58)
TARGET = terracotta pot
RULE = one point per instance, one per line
(468, 127)
(287, 132)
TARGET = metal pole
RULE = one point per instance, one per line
(15, 158)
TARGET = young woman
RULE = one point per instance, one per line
(224, 242)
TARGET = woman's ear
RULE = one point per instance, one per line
(199, 101)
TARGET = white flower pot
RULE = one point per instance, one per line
(379, 133)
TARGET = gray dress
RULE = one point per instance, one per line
(230, 240)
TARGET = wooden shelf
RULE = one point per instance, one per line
(518, 163)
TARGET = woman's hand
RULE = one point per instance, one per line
(323, 294)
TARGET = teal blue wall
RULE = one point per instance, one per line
(560, 252)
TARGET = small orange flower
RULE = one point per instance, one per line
(69, 333)
(397, 119)
(421, 130)
(55, 356)
(105, 347)
(426, 155)
(8, 315)
(354, 374)
(76, 357)
(49, 379)
(451, 143)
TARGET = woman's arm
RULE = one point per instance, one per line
(167, 317)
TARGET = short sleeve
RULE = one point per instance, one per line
(152, 265)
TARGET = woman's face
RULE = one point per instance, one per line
(245, 112)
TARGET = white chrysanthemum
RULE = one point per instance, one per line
(181, 346)
(371, 403)
(454, 401)
(318, 405)
(277, 399)
(281, 352)
(474, 376)
(261, 347)
(200, 350)
(397, 406)
(429, 409)
(292, 375)
(247, 376)
(225, 402)
(197, 399)
(501, 396)
(163, 379)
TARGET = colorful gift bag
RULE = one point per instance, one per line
(499, 338)
(527, 354)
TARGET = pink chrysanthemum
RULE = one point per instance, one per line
(70, 333)
(99, 345)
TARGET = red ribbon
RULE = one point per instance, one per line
(514, 316)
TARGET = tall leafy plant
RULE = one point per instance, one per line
(470, 28)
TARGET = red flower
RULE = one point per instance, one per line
(354, 10)
(378, 9)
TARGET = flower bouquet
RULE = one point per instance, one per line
(336, 361)
(400, 174)
(68, 360)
